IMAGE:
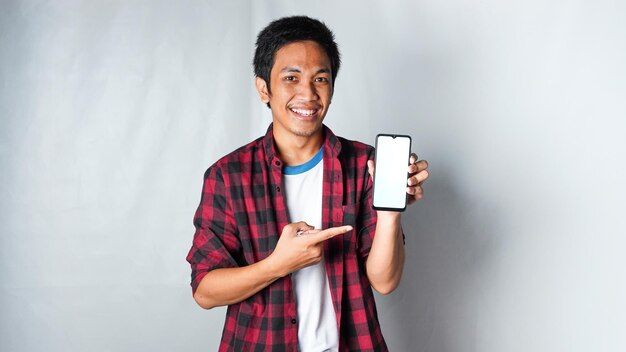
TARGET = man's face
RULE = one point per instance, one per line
(301, 89)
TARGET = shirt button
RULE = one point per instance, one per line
(277, 163)
(293, 321)
(277, 188)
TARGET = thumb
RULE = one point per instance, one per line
(297, 226)
(370, 168)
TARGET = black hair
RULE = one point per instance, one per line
(287, 30)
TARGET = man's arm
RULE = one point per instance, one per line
(232, 285)
(386, 257)
(385, 261)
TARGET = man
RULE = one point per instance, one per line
(258, 245)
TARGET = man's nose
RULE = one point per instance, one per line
(308, 91)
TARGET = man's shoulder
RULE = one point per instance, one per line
(354, 148)
(244, 154)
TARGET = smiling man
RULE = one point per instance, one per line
(285, 231)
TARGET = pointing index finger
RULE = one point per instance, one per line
(329, 233)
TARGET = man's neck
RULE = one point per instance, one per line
(297, 150)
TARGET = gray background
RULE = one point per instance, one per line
(110, 111)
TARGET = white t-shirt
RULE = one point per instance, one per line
(317, 323)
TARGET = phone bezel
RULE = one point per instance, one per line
(407, 174)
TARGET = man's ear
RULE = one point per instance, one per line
(261, 87)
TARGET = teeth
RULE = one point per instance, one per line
(303, 112)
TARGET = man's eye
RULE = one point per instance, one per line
(290, 78)
(321, 79)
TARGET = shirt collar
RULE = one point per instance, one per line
(331, 143)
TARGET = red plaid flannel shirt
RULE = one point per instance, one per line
(240, 217)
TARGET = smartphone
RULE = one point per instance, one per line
(391, 172)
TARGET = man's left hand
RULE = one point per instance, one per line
(418, 174)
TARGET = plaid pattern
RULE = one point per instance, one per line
(242, 213)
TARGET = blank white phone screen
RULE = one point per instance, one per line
(390, 178)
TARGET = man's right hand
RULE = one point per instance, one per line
(294, 252)
(224, 286)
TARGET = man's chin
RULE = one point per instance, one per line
(302, 133)
(299, 129)
(308, 132)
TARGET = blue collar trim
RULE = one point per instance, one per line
(299, 169)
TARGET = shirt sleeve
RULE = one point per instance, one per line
(215, 242)
(366, 221)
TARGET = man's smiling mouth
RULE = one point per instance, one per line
(304, 112)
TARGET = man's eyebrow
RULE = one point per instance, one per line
(297, 70)
(290, 69)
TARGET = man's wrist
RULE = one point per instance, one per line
(389, 220)
(270, 269)
(389, 217)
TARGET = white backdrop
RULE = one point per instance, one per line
(110, 111)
